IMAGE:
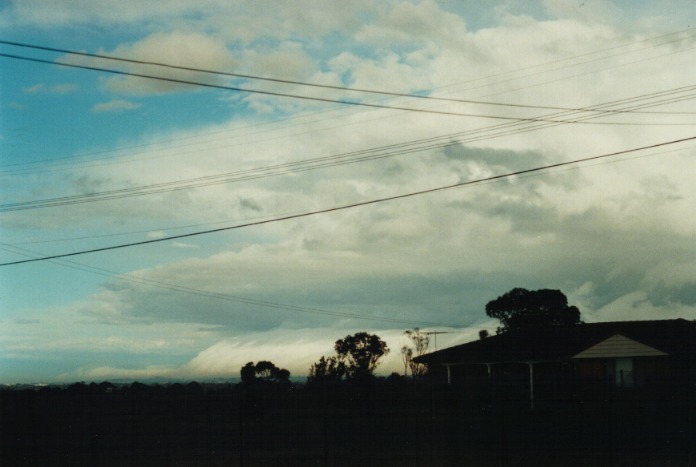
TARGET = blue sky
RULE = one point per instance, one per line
(616, 235)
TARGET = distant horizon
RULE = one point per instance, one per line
(379, 373)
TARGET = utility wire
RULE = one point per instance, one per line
(60, 166)
(512, 128)
(354, 205)
(181, 227)
(220, 296)
(487, 78)
(312, 98)
(491, 78)
(338, 159)
(297, 83)
(580, 109)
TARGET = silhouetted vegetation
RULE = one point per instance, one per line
(420, 342)
(521, 309)
(356, 358)
(264, 372)
(326, 370)
(357, 420)
(377, 422)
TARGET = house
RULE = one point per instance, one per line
(538, 366)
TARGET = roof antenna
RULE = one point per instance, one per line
(435, 333)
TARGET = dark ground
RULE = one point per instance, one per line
(382, 423)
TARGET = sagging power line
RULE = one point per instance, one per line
(298, 83)
(223, 296)
(371, 154)
(655, 41)
(320, 99)
(358, 204)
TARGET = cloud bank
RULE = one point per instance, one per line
(615, 235)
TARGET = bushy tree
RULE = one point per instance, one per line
(329, 369)
(248, 373)
(361, 353)
(264, 371)
(357, 357)
(522, 309)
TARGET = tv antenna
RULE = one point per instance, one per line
(435, 333)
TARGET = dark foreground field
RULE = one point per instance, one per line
(382, 423)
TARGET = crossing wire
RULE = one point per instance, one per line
(309, 84)
(355, 205)
(439, 142)
(310, 98)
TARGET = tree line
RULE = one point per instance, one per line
(344, 416)
(358, 355)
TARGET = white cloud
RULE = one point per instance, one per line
(184, 245)
(64, 88)
(116, 105)
(157, 234)
(616, 237)
(590, 11)
(67, 329)
(414, 23)
(35, 88)
(180, 49)
(42, 88)
(638, 306)
(549, 227)
(295, 351)
(75, 12)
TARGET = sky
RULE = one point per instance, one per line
(419, 120)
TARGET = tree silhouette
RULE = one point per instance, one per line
(522, 309)
(248, 373)
(420, 341)
(264, 371)
(329, 369)
(357, 356)
(361, 352)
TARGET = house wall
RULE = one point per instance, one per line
(646, 371)
(508, 384)
(556, 384)
(658, 378)
(473, 383)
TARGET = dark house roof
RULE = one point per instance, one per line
(676, 337)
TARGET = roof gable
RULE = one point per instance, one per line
(618, 346)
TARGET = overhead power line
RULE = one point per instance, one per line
(371, 154)
(259, 91)
(223, 296)
(204, 224)
(320, 99)
(292, 82)
(478, 134)
(487, 79)
(355, 205)
(654, 40)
